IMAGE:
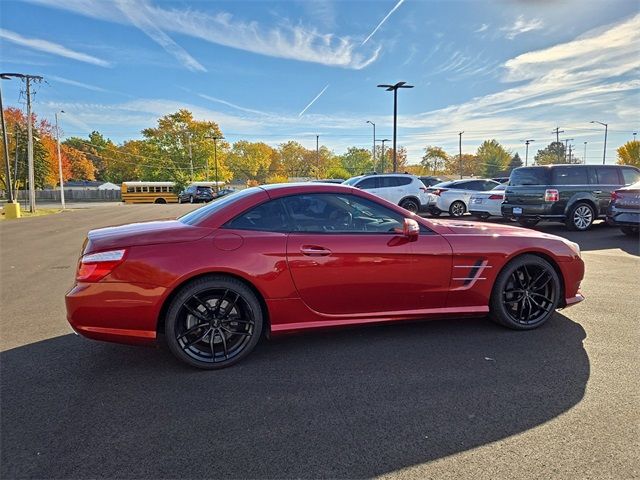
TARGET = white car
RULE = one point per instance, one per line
(400, 188)
(487, 204)
(453, 197)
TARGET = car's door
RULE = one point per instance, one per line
(607, 180)
(346, 257)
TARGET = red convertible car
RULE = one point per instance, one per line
(284, 258)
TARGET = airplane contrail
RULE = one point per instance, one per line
(400, 2)
(313, 101)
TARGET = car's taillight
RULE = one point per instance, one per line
(496, 196)
(615, 196)
(438, 191)
(551, 195)
(424, 189)
(96, 266)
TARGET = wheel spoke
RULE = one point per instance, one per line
(211, 342)
(204, 304)
(527, 276)
(233, 332)
(224, 343)
(541, 286)
(196, 313)
(193, 329)
(230, 307)
(542, 296)
(219, 304)
(190, 344)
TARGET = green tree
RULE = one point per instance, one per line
(553, 153)
(293, 159)
(629, 153)
(493, 158)
(356, 161)
(248, 160)
(434, 159)
(515, 162)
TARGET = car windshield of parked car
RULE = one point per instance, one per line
(352, 180)
(196, 216)
(529, 176)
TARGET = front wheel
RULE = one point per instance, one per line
(457, 209)
(526, 293)
(191, 199)
(630, 231)
(410, 205)
(213, 322)
(580, 217)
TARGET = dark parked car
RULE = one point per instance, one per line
(624, 209)
(224, 192)
(430, 181)
(573, 194)
(195, 194)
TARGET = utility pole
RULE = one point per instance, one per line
(526, 155)
(382, 154)
(318, 157)
(460, 150)
(190, 153)
(394, 89)
(15, 169)
(215, 139)
(557, 131)
(373, 151)
(5, 142)
(570, 147)
(60, 161)
(606, 127)
(584, 158)
(566, 147)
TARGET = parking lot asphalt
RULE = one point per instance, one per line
(439, 399)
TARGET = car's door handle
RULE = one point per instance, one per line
(597, 192)
(314, 251)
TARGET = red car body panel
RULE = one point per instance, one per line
(447, 271)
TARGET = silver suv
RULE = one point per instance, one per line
(400, 188)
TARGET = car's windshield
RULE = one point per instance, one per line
(352, 180)
(196, 216)
(529, 176)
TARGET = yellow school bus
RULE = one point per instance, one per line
(148, 192)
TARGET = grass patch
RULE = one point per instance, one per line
(40, 212)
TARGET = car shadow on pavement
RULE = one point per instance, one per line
(599, 237)
(343, 404)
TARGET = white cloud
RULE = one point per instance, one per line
(75, 83)
(287, 41)
(521, 26)
(484, 27)
(50, 47)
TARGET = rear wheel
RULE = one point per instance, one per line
(526, 293)
(631, 231)
(191, 199)
(160, 201)
(213, 322)
(410, 204)
(528, 222)
(457, 209)
(580, 217)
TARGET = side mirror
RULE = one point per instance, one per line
(410, 228)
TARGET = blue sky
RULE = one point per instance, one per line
(509, 70)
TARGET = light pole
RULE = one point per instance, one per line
(60, 161)
(382, 154)
(634, 136)
(566, 147)
(318, 157)
(526, 154)
(584, 159)
(373, 152)
(394, 89)
(215, 139)
(460, 150)
(604, 152)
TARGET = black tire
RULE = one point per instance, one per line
(435, 213)
(630, 231)
(179, 200)
(457, 209)
(410, 204)
(160, 201)
(536, 281)
(191, 199)
(528, 222)
(213, 322)
(482, 216)
(581, 217)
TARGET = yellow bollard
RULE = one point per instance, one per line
(12, 210)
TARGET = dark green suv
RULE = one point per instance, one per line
(573, 194)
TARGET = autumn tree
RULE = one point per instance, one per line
(515, 162)
(248, 160)
(434, 159)
(553, 153)
(467, 166)
(629, 153)
(356, 161)
(493, 157)
(293, 158)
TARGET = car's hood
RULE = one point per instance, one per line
(145, 233)
(461, 227)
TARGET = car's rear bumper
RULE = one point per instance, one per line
(574, 300)
(115, 312)
(624, 218)
(537, 211)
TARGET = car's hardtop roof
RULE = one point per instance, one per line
(575, 165)
(304, 187)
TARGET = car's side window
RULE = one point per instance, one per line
(402, 181)
(490, 185)
(607, 176)
(368, 183)
(630, 175)
(338, 213)
(570, 176)
(266, 217)
(386, 182)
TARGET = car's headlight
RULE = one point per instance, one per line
(574, 247)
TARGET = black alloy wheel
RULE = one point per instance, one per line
(410, 205)
(213, 322)
(457, 209)
(526, 293)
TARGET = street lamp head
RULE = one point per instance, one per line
(369, 121)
